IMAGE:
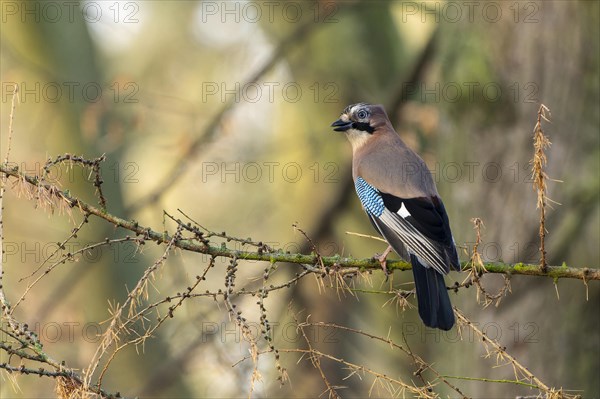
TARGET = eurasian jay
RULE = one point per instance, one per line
(398, 194)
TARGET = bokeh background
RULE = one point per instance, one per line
(238, 97)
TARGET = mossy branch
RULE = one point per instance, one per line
(64, 199)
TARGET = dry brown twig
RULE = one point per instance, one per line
(18, 331)
(478, 269)
(538, 163)
(94, 166)
(335, 275)
(421, 365)
(69, 256)
(393, 386)
(315, 359)
(118, 327)
(30, 347)
(241, 322)
(262, 294)
(522, 373)
(3, 180)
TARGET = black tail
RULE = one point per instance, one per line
(435, 308)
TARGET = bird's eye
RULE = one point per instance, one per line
(362, 114)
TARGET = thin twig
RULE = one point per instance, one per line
(540, 143)
(477, 270)
(493, 348)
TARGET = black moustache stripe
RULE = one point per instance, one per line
(363, 126)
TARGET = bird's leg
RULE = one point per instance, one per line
(383, 260)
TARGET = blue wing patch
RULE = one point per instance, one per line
(369, 197)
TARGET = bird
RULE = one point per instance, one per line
(398, 194)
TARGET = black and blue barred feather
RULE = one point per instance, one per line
(369, 197)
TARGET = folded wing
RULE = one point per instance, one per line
(412, 226)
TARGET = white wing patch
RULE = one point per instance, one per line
(403, 211)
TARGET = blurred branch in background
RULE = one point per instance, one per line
(212, 128)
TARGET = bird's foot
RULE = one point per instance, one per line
(383, 261)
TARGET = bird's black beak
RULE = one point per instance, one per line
(341, 126)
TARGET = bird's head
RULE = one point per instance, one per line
(360, 122)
